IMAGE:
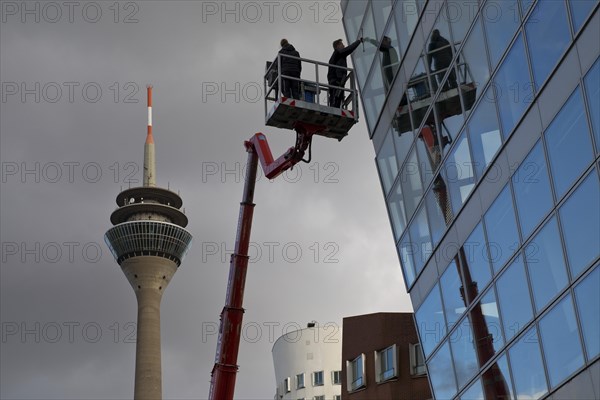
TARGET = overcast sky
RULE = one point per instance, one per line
(73, 124)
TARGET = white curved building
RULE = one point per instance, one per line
(308, 363)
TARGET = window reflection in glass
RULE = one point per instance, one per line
(472, 65)
(484, 133)
(403, 140)
(373, 95)
(580, 9)
(501, 21)
(474, 392)
(458, 173)
(406, 15)
(405, 249)
(363, 56)
(475, 261)
(389, 51)
(386, 162)
(441, 374)
(580, 219)
(592, 88)
(497, 384)
(438, 52)
(396, 209)
(532, 190)
(568, 143)
(546, 264)
(463, 352)
(430, 321)
(514, 89)
(412, 187)
(461, 14)
(437, 218)
(560, 341)
(418, 95)
(501, 227)
(487, 331)
(428, 153)
(452, 292)
(548, 34)
(525, 6)
(527, 367)
(515, 302)
(588, 304)
(419, 234)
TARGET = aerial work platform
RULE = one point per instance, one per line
(312, 106)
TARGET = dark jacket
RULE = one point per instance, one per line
(290, 66)
(339, 58)
(441, 58)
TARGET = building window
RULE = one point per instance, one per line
(337, 397)
(385, 364)
(300, 381)
(417, 362)
(318, 378)
(356, 373)
(336, 377)
(322, 397)
(287, 385)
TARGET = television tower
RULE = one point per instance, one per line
(149, 241)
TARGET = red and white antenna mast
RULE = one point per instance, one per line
(149, 157)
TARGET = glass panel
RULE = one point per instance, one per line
(403, 139)
(419, 94)
(474, 392)
(419, 235)
(580, 219)
(463, 350)
(428, 154)
(363, 58)
(437, 220)
(560, 341)
(486, 327)
(458, 173)
(580, 9)
(461, 14)
(396, 209)
(406, 258)
(548, 34)
(452, 289)
(592, 88)
(441, 374)
(439, 51)
(527, 367)
(381, 12)
(546, 264)
(568, 143)
(587, 296)
(525, 6)
(484, 132)
(514, 90)
(373, 95)
(501, 22)
(406, 15)
(476, 261)
(473, 69)
(532, 190)
(430, 321)
(501, 227)
(497, 384)
(390, 58)
(515, 302)
(411, 184)
(353, 16)
(386, 161)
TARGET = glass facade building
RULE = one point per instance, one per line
(485, 120)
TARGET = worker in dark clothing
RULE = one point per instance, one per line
(440, 53)
(389, 60)
(337, 76)
(290, 67)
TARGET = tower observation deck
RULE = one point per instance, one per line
(149, 242)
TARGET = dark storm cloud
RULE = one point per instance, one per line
(66, 309)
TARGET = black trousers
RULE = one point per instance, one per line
(291, 87)
(335, 95)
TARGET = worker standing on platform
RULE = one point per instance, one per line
(337, 76)
(290, 67)
(439, 54)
